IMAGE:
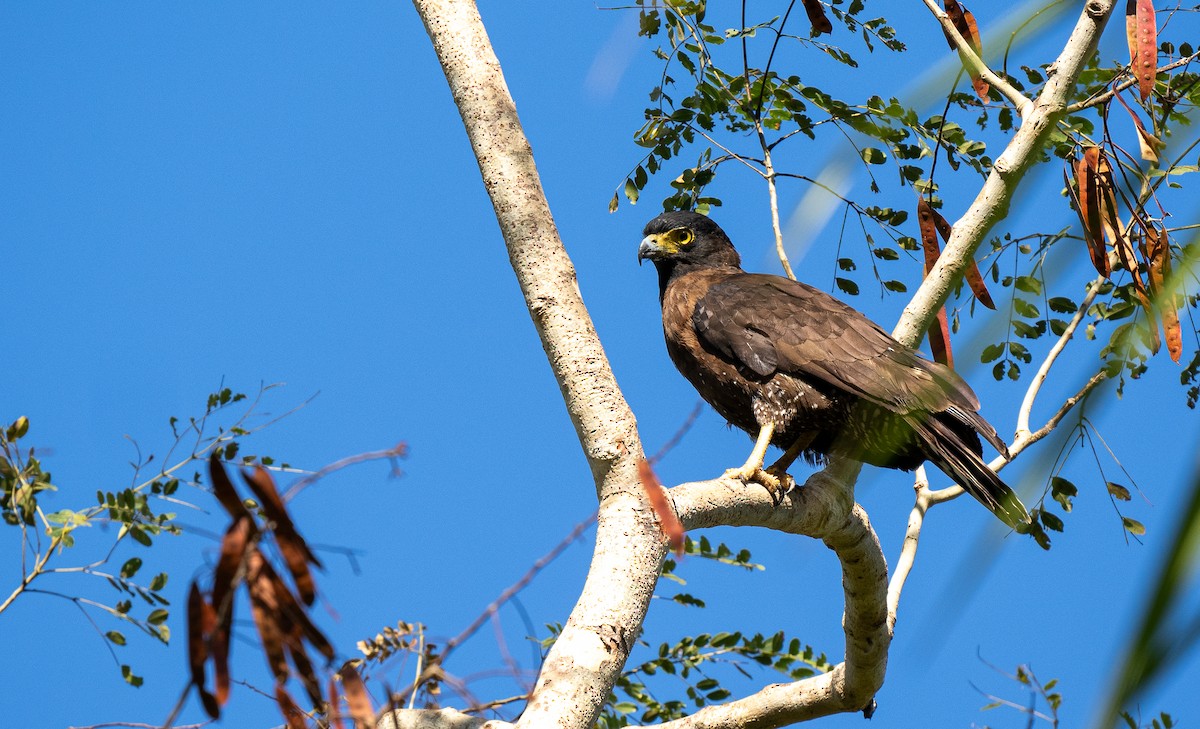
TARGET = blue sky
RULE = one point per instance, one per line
(251, 193)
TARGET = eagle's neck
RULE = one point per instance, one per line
(670, 271)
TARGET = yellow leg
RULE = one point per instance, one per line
(753, 465)
(791, 454)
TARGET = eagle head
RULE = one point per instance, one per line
(688, 239)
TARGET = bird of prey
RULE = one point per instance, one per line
(796, 368)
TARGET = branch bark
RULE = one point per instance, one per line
(585, 661)
(977, 64)
(823, 509)
(992, 203)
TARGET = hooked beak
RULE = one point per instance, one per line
(649, 248)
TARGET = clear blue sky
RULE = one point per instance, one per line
(256, 193)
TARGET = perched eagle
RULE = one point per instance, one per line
(796, 368)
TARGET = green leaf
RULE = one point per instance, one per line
(157, 617)
(115, 638)
(1062, 305)
(1025, 309)
(847, 286)
(131, 566)
(1063, 491)
(1117, 491)
(631, 192)
(872, 155)
(1029, 284)
(1051, 521)
(1133, 526)
(685, 599)
(130, 678)
(159, 581)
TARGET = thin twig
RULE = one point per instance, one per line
(400, 450)
(908, 553)
(678, 436)
(977, 64)
(137, 725)
(517, 586)
(495, 704)
(1035, 385)
(1128, 83)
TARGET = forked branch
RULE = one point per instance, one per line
(585, 661)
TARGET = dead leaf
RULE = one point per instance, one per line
(357, 698)
(1088, 205)
(219, 646)
(1110, 219)
(333, 710)
(939, 331)
(973, 276)
(657, 496)
(226, 577)
(233, 550)
(223, 488)
(1158, 250)
(964, 22)
(292, 613)
(295, 718)
(816, 16)
(1141, 31)
(197, 647)
(200, 622)
(292, 546)
(264, 605)
(304, 666)
(1147, 142)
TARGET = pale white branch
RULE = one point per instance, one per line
(1035, 385)
(974, 63)
(585, 661)
(992, 203)
(823, 509)
(773, 197)
(433, 719)
(908, 552)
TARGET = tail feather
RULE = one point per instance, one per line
(949, 452)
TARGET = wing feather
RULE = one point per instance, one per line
(771, 324)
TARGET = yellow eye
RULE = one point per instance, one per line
(682, 236)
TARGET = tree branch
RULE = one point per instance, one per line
(823, 509)
(1127, 83)
(593, 646)
(972, 60)
(1035, 385)
(991, 205)
(908, 552)
(586, 659)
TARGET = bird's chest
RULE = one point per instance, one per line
(717, 380)
(744, 398)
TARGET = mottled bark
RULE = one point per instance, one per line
(586, 660)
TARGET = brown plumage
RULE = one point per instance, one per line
(796, 368)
